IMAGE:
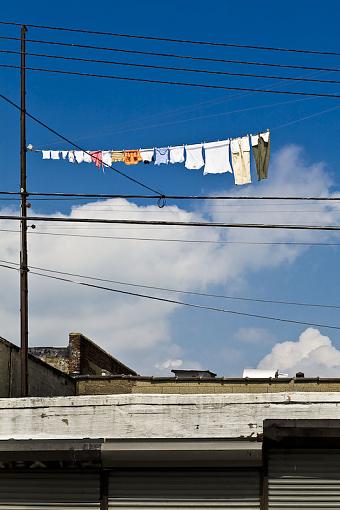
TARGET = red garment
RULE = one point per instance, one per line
(97, 158)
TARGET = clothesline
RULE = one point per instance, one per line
(213, 156)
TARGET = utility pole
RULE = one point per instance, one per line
(23, 225)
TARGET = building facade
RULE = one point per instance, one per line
(94, 434)
(130, 451)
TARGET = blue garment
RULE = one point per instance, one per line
(162, 156)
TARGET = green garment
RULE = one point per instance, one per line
(262, 154)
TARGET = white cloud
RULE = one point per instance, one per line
(140, 331)
(169, 364)
(313, 353)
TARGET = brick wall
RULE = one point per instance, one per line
(81, 357)
(87, 358)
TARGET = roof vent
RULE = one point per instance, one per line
(193, 374)
(299, 375)
(256, 373)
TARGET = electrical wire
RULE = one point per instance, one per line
(316, 114)
(166, 212)
(176, 302)
(173, 40)
(157, 239)
(169, 82)
(34, 195)
(174, 55)
(175, 223)
(172, 68)
(67, 140)
(222, 114)
(177, 291)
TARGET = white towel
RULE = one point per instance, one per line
(176, 154)
(64, 154)
(54, 154)
(217, 160)
(194, 157)
(46, 154)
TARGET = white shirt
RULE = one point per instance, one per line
(46, 154)
(71, 157)
(255, 138)
(194, 156)
(106, 158)
(87, 158)
(217, 159)
(147, 154)
(176, 154)
(79, 155)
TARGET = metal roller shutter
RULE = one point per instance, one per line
(303, 479)
(49, 491)
(184, 489)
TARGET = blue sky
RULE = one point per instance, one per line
(99, 114)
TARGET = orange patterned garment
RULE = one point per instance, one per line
(132, 157)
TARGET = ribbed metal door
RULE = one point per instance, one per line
(49, 491)
(303, 479)
(184, 489)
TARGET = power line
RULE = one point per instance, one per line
(176, 302)
(34, 195)
(158, 239)
(172, 68)
(59, 135)
(179, 197)
(175, 223)
(169, 82)
(174, 55)
(173, 40)
(177, 291)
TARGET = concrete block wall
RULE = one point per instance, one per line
(138, 385)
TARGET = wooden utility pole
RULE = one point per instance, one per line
(23, 225)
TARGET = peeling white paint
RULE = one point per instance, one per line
(158, 416)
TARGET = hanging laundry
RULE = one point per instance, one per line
(161, 156)
(71, 157)
(64, 154)
(132, 157)
(117, 156)
(240, 150)
(176, 154)
(87, 157)
(79, 156)
(217, 160)
(54, 154)
(97, 158)
(261, 151)
(147, 155)
(106, 158)
(194, 157)
(46, 154)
